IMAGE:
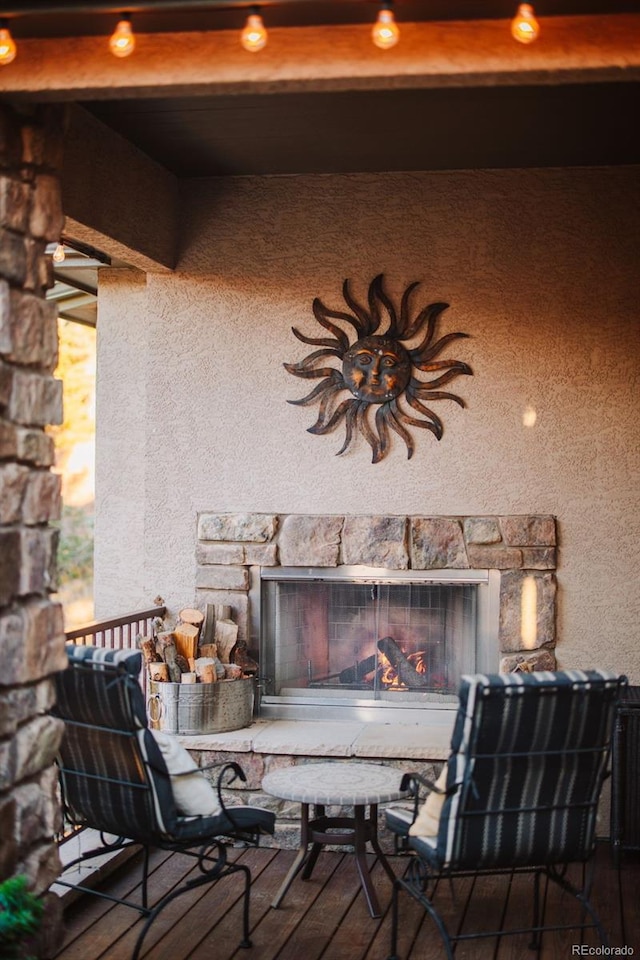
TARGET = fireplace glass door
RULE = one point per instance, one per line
(339, 636)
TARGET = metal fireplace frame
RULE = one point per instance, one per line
(421, 708)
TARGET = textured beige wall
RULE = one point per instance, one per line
(540, 267)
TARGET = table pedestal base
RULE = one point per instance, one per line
(356, 831)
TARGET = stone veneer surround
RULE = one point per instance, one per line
(522, 548)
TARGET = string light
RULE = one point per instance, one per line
(385, 32)
(524, 26)
(58, 254)
(8, 47)
(122, 41)
(254, 35)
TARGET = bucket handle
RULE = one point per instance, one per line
(155, 708)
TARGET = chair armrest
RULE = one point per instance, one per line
(237, 772)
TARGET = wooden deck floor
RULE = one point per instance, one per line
(324, 917)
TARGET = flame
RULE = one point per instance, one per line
(389, 675)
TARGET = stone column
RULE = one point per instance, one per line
(31, 624)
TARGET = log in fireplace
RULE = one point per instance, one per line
(368, 643)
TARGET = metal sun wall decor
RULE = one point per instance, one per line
(378, 368)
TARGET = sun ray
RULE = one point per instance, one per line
(334, 386)
(447, 377)
(321, 315)
(437, 395)
(432, 365)
(320, 428)
(350, 421)
(374, 309)
(316, 341)
(311, 359)
(435, 348)
(367, 432)
(404, 310)
(313, 373)
(433, 417)
(429, 316)
(363, 321)
(383, 431)
(392, 329)
(423, 424)
(396, 426)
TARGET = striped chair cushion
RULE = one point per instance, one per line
(129, 660)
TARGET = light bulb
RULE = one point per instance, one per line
(122, 42)
(8, 47)
(524, 26)
(254, 35)
(58, 254)
(385, 32)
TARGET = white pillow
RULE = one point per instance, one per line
(193, 794)
(427, 822)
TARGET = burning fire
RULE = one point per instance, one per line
(389, 674)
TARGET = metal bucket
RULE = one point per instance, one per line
(189, 709)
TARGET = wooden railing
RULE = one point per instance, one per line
(119, 633)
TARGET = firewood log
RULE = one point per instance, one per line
(186, 639)
(148, 648)
(226, 638)
(162, 640)
(170, 658)
(159, 671)
(240, 656)
(208, 674)
(208, 650)
(406, 671)
(208, 629)
(222, 611)
(192, 616)
(183, 663)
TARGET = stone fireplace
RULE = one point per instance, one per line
(376, 617)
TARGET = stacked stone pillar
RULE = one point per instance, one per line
(31, 624)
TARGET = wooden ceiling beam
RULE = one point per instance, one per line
(306, 59)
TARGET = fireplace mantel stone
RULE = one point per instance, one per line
(522, 547)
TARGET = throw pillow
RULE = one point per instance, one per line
(427, 822)
(193, 794)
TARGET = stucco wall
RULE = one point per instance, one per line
(539, 267)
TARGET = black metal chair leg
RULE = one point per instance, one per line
(246, 940)
(394, 921)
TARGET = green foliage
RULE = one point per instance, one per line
(75, 549)
(20, 915)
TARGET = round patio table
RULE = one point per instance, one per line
(359, 785)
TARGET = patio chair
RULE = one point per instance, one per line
(529, 754)
(115, 779)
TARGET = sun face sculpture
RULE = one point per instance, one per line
(378, 369)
